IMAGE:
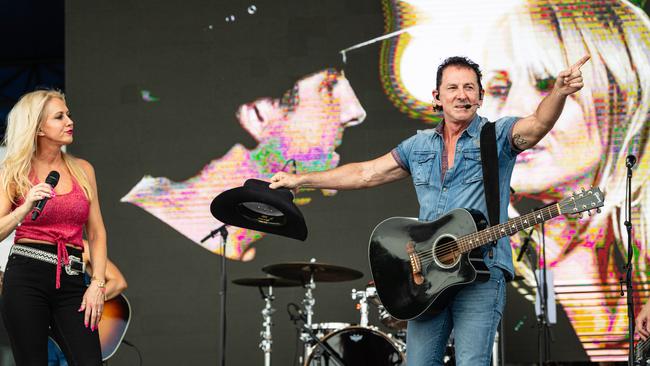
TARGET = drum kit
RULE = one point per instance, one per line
(332, 343)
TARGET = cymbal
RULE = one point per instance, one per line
(322, 272)
(266, 282)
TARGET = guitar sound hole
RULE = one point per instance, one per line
(447, 251)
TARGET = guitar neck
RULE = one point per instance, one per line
(512, 226)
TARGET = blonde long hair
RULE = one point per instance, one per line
(23, 122)
(618, 77)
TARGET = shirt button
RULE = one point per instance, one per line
(444, 189)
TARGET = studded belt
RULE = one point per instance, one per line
(74, 267)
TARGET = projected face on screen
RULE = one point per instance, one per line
(515, 87)
(305, 125)
(521, 46)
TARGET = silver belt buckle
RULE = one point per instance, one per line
(75, 266)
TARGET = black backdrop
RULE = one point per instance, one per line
(202, 68)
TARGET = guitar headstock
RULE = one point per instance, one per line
(585, 200)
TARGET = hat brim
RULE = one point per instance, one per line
(257, 207)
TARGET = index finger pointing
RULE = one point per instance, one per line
(581, 62)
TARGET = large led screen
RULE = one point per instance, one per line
(521, 46)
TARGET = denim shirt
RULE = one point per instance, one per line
(462, 186)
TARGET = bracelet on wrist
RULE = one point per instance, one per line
(101, 284)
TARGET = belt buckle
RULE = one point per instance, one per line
(75, 266)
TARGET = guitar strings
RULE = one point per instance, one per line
(452, 247)
(643, 345)
(641, 348)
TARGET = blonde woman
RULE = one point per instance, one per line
(43, 282)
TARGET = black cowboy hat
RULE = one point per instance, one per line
(258, 207)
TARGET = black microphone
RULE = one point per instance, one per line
(52, 179)
(630, 161)
(468, 105)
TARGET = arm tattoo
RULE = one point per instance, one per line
(519, 141)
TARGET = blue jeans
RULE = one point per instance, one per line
(473, 314)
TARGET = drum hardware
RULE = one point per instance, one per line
(363, 303)
(309, 301)
(309, 273)
(268, 310)
(323, 329)
(384, 317)
(358, 346)
(298, 316)
(267, 338)
(399, 338)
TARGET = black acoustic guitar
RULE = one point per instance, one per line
(642, 353)
(418, 266)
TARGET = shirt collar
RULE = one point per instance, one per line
(472, 129)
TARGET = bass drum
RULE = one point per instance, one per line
(358, 346)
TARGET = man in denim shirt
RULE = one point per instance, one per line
(445, 165)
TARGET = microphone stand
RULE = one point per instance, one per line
(544, 335)
(223, 231)
(631, 160)
(542, 319)
(545, 329)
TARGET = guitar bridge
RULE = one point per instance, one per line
(416, 265)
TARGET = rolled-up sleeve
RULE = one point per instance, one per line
(402, 153)
(504, 128)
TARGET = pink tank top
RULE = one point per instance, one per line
(61, 221)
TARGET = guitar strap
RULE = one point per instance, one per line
(490, 163)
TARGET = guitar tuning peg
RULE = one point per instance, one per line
(589, 212)
(583, 190)
(598, 210)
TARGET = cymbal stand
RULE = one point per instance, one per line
(267, 338)
(308, 304)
